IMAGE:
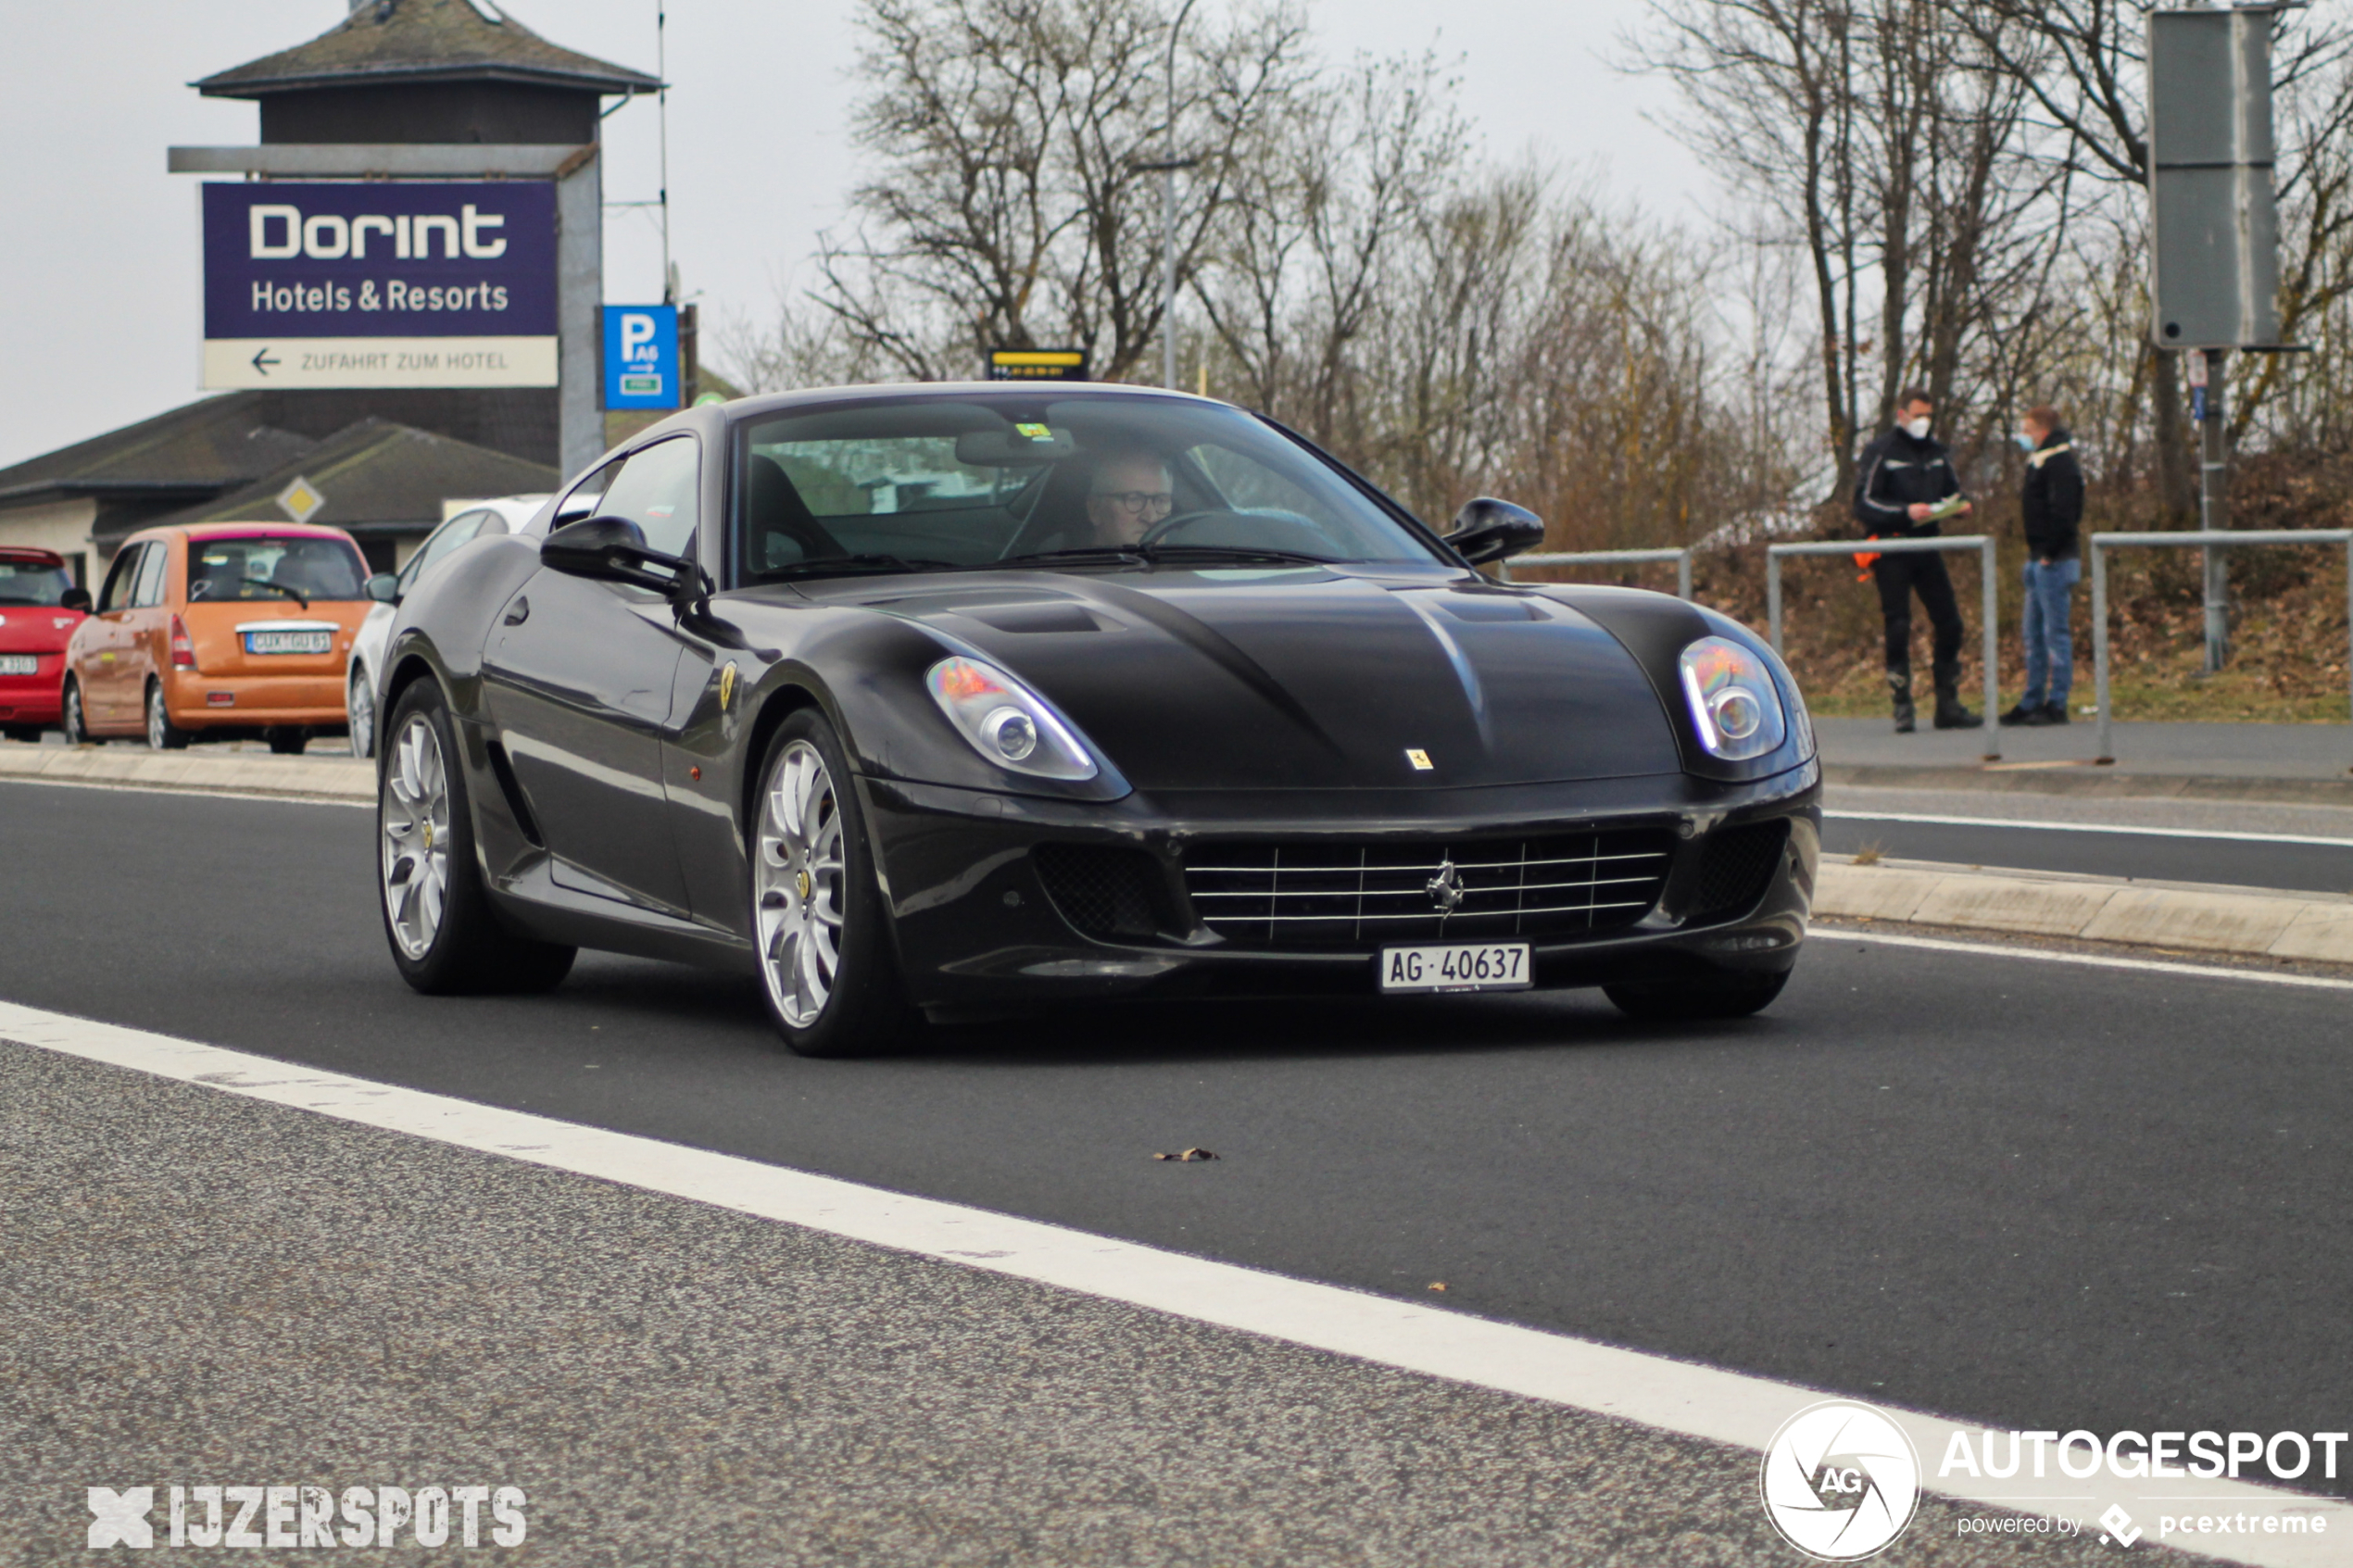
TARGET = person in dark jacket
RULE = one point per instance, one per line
(1906, 489)
(2051, 507)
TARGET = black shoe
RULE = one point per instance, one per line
(2053, 713)
(2022, 714)
(1903, 716)
(1952, 716)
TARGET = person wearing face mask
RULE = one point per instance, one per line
(1904, 489)
(2051, 507)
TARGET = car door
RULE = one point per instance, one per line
(145, 630)
(579, 677)
(100, 668)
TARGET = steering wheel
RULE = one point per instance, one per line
(1166, 526)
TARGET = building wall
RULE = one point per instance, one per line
(62, 526)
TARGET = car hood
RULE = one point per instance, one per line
(37, 628)
(1307, 678)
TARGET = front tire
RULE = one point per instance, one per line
(359, 709)
(70, 718)
(24, 735)
(827, 971)
(162, 734)
(1714, 995)
(285, 740)
(446, 937)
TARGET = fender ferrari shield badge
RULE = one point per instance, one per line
(727, 685)
(1419, 759)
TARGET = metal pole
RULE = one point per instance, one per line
(2106, 752)
(2214, 513)
(2349, 620)
(580, 288)
(1683, 575)
(1993, 653)
(661, 110)
(1773, 598)
(1168, 217)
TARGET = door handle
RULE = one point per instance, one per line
(519, 612)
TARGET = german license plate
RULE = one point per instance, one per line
(289, 641)
(1469, 966)
(20, 664)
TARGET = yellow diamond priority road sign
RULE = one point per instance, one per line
(301, 500)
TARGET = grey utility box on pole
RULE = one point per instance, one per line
(2214, 263)
(2215, 270)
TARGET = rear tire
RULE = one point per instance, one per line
(162, 734)
(70, 718)
(360, 709)
(1717, 996)
(828, 974)
(285, 740)
(446, 938)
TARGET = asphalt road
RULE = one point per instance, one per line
(2029, 1193)
(2099, 851)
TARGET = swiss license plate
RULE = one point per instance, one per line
(1469, 966)
(289, 641)
(20, 664)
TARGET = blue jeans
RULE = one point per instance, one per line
(2050, 638)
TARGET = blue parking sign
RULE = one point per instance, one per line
(641, 356)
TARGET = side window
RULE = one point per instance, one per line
(120, 576)
(149, 591)
(585, 497)
(658, 491)
(446, 539)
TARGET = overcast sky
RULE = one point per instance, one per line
(98, 257)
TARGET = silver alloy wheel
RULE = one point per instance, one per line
(158, 717)
(76, 725)
(798, 882)
(359, 709)
(413, 821)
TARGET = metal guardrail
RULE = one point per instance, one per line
(2200, 539)
(1681, 557)
(1981, 542)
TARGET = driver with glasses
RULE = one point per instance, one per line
(1131, 494)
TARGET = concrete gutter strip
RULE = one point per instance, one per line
(2112, 783)
(300, 777)
(2314, 926)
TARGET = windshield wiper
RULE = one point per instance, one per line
(276, 588)
(1153, 555)
(851, 566)
(1088, 555)
(1228, 552)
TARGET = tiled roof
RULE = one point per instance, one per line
(377, 475)
(195, 450)
(424, 41)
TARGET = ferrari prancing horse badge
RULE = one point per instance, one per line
(726, 686)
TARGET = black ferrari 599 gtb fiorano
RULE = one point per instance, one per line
(928, 700)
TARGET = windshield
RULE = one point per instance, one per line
(1069, 481)
(24, 582)
(262, 567)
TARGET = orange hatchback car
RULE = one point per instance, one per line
(223, 630)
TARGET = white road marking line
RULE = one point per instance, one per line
(1657, 1392)
(2038, 955)
(198, 794)
(2083, 827)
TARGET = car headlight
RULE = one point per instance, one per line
(1735, 706)
(1006, 721)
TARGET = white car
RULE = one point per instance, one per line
(482, 519)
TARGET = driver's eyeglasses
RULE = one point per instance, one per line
(1140, 503)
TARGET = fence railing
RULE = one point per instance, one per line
(2200, 539)
(1681, 557)
(1981, 542)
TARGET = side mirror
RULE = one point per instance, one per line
(75, 598)
(1488, 529)
(612, 549)
(383, 587)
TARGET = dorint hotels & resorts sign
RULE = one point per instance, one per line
(379, 284)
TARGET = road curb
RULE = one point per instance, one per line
(305, 778)
(2251, 920)
(2085, 779)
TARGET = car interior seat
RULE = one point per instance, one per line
(779, 529)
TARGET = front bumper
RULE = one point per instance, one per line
(978, 925)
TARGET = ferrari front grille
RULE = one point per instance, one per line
(1361, 895)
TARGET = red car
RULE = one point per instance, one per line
(39, 608)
